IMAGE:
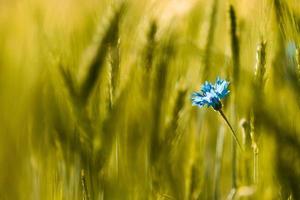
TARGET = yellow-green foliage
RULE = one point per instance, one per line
(95, 99)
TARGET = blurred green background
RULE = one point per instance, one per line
(95, 99)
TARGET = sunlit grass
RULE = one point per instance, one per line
(96, 99)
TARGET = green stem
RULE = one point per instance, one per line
(84, 186)
(233, 133)
(255, 163)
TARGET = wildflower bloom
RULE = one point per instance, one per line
(211, 94)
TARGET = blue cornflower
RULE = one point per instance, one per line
(211, 94)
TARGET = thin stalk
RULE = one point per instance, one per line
(114, 80)
(247, 158)
(218, 165)
(255, 163)
(233, 132)
(235, 53)
(84, 186)
(234, 163)
(233, 153)
(235, 47)
(259, 83)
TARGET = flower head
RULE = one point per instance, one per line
(211, 94)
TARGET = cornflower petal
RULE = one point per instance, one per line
(211, 94)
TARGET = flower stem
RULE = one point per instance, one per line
(233, 133)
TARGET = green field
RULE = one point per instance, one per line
(95, 99)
